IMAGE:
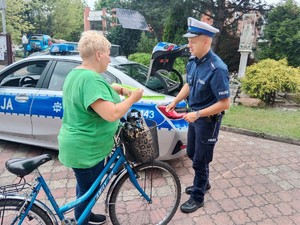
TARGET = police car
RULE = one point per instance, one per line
(31, 100)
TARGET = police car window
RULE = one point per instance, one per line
(27, 75)
(139, 73)
(60, 73)
(110, 78)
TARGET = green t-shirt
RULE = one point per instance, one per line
(85, 138)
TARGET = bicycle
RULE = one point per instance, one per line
(140, 193)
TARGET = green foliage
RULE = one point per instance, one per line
(16, 22)
(175, 25)
(67, 24)
(146, 43)
(142, 58)
(19, 53)
(180, 64)
(128, 39)
(264, 79)
(60, 19)
(155, 13)
(283, 34)
(168, 18)
(107, 4)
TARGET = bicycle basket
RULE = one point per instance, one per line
(141, 145)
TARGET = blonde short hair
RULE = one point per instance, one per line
(92, 41)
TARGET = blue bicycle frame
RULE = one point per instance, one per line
(115, 161)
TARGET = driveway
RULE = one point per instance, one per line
(254, 181)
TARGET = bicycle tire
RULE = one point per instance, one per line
(9, 208)
(127, 206)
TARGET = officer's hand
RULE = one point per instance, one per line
(190, 117)
(170, 107)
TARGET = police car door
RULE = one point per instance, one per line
(18, 87)
(47, 108)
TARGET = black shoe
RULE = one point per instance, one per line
(96, 219)
(191, 206)
(189, 189)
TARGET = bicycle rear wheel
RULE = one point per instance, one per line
(161, 184)
(9, 211)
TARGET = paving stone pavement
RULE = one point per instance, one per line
(254, 181)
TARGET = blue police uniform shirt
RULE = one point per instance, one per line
(208, 80)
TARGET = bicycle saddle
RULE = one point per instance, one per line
(24, 166)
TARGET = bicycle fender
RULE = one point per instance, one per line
(37, 202)
(112, 187)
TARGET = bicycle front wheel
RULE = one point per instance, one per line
(160, 183)
(10, 211)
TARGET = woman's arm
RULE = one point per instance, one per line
(111, 111)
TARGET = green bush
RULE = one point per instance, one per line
(19, 53)
(268, 77)
(142, 58)
(180, 64)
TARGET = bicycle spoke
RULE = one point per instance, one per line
(128, 206)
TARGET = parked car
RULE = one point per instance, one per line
(38, 42)
(31, 100)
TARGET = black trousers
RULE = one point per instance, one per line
(202, 137)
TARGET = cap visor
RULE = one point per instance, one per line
(190, 35)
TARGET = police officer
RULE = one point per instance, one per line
(207, 90)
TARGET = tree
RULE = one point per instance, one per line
(16, 23)
(175, 25)
(67, 24)
(59, 18)
(226, 14)
(146, 43)
(168, 18)
(155, 12)
(128, 39)
(283, 34)
(110, 4)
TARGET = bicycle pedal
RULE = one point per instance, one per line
(68, 222)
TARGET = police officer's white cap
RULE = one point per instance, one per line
(196, 27)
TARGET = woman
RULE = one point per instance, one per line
(92, 109)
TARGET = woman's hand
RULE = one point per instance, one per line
(111, 111)
(136, 94)
(126, 92)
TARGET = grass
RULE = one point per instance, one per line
(272, 121)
